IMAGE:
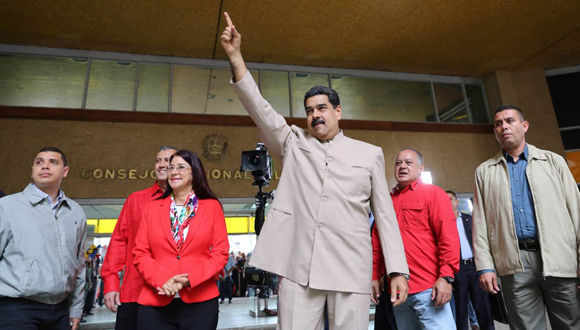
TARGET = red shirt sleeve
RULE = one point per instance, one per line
(443, 222)
(116, 252)
(378, 259)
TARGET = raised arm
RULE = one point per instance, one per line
(274, 130)
(231, 41)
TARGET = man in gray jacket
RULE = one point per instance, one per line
(526, 228)
(42, 233)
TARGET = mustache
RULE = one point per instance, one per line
(317, 121)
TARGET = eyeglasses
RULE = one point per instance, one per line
(180, 168)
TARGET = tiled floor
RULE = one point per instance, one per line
(232, 316)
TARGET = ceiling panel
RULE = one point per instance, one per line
(441, 37)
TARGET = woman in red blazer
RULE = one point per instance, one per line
(180, 248)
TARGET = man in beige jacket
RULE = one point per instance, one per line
(317, 234)
(526, 228)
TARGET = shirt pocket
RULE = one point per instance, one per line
(357, 178)
(35, 283)
(413, 216)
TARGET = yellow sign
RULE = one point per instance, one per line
(235, 225)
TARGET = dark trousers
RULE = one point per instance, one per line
(226, 288)
(90, 299)
(127, 316)
(384, 314)
(19, 313)
(243, 286)
(179, 315)
(467, 286)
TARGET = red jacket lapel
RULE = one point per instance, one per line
(165, 222)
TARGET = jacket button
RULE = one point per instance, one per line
(178, 257)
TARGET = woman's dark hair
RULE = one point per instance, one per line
(199, 182)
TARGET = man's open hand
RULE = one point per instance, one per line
(112, 300)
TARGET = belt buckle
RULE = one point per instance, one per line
(530, 245)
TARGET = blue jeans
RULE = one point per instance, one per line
(471, 314)
(418, 312)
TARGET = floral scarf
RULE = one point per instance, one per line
(181, 221)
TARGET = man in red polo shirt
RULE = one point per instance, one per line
(119, 254)
(431, 241)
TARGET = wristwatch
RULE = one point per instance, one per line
(391, 275)
(448, 279)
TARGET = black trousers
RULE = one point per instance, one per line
(466, 286)
(384, 313)
(127, 316)
(226, 288)
(20, 313)
(179, 315)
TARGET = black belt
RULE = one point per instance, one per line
(529, 244)
(467, 261)
(2, 298)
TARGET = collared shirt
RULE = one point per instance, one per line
(429, 233)
(54, 206)
(119, 254)
(557, 210)
(522, 202)
(466, 252)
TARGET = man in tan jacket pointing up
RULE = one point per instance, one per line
(317, 234)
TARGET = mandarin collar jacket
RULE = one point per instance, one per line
(317, 230)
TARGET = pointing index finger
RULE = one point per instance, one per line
(228, 19)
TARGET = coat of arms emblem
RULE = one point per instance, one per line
(214, 147)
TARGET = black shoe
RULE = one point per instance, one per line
(221, 301)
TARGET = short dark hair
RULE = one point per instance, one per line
(199, 183)
(54, 149)
(510, 107)
(451, 192)
(323, 90)
(419, 155)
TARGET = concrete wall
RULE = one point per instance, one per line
(93, 146)
(90, 146)
(528, 90)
